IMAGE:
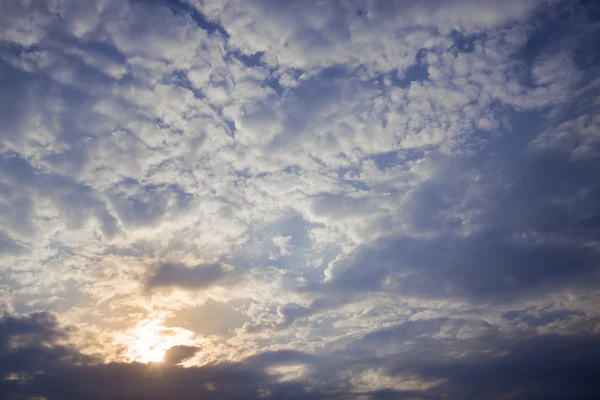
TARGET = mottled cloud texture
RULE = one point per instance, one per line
(299, 199)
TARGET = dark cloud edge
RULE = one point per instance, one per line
(493, 365)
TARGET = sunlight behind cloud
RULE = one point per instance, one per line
(149, 340)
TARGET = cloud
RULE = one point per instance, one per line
(480, 268)
(312, 34)
(179, 275)
(301, 199)
(578, 137)
(210, 318)
(29, 343)
(8, 245)
(175, 355)
(521, 367)
(484, 241)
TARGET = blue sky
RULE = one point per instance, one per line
(346, 199)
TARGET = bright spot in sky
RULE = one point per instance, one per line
(150, 340)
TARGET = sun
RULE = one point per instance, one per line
(149, 341)
(150, 345)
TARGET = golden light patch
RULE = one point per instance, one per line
(149, 341)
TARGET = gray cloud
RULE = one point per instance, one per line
(9, 245)
(178, 354)
(180, 275)
(536, 231)
(521, 367)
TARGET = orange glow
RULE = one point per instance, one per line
(149, 340)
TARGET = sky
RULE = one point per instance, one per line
(299, 199)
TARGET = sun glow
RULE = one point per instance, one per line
(150, 340)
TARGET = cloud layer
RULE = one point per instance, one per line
(299, 199)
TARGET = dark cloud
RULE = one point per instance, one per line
(28, 344)
(539, 367)
(488, 266)
(498, 228)
(180, 275)
(178, 354)
(491, 365)
(39, 326)
(37, 366)
(486, 364)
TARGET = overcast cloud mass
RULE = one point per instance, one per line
(299, 199)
